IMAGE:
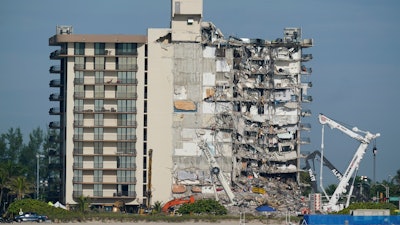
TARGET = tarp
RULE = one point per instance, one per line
(59, 205)
(265, 208)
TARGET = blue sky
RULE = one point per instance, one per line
(355, 67)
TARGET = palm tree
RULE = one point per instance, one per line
(3, 183)
(20, 187)
(83, 203)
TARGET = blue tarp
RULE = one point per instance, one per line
(351, 220)
(265, 208)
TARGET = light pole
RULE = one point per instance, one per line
(38, 156)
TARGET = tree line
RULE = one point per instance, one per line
(19, 162)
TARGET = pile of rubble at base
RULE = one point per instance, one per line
(284, 197)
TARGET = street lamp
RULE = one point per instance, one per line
(38, 156)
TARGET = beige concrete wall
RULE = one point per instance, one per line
(160, 109)
(69, 132)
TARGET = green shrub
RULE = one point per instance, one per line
(203, 206)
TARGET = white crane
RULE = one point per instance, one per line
(333, 205)
(215, 169)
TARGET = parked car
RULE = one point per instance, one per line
(30, 216)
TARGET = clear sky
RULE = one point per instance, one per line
(355, 67)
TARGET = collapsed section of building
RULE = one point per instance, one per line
(238, 108)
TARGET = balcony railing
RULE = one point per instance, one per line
(305, 126)
(305, 112)
(55, 97)
(305, 70)
(54, 124)
(55, 69)
(306, 57)
(56, 54)
(55, 111)
(55, 83)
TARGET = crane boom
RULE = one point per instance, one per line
(217, 171)
(354, 163)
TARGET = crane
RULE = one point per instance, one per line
(332, 205)
(215, 169)
(326, 162)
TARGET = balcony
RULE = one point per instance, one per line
(305, 112)
(56, 54)
(55, 69)
(305, 70)
(305, 126)
(55, 111)
(55, 97)
(54, 138)
(306, 57)
(55, 83)
(305, 140)
(306, 98)
(54, 125)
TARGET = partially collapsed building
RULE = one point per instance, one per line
(182, 111)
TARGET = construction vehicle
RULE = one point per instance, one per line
(326, 162)
(216, 170)
(177, 201)
(332, 205)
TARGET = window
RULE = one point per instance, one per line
(127, 77)
(126, 147)
(126, 133)
(98, 119)
(99, 77)
(78, 161)
(98, 190)
(99, 48)
(126, 48)
(78, 147)
(78, 176)
(126, 63)
(79, 91)
(126, 119)
(98, 133)
(80, 63)
(78, 190)
(98, 105)
(78, 119)
(99, 91)
(99, 63)
(79, 77)
(126, 106)
(79, 48)
(125, 176)
(78, 133)
(78, 105)
(98, 176)
(98, 148)
(98, 161)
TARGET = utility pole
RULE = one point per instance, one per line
(37, 174)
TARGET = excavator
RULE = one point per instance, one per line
(333, 205)
(327, 163)
(177, 201)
